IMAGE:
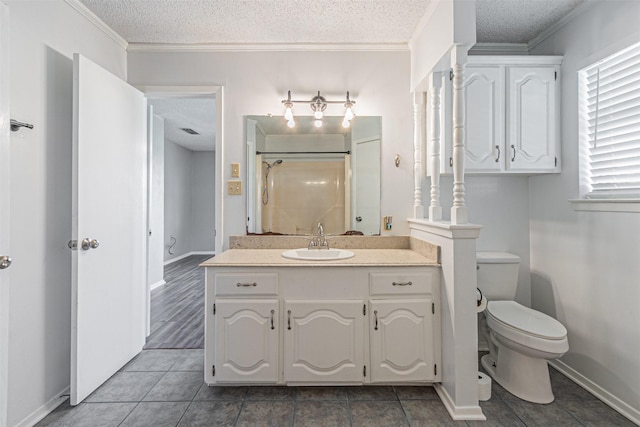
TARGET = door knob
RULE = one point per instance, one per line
(5, 262)
(94, 243)
(89, 244)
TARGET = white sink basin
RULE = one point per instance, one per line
(318, 254)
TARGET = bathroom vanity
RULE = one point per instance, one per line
(372, 318)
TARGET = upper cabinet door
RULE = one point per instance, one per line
(531, 119)
(484, 118)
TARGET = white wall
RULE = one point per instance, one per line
(585, 268)
(189, 204)
(256, 82)
(43, 37)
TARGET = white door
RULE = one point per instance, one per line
(402, 341)
(484, 119)
(4, 210)
(531, 119)
(247, 343)
(324, 341)
(367, 187)
(109, 193)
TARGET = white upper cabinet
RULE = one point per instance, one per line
(511, 115)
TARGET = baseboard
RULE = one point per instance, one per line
(157, 285)
(457, 413)
(188, 254)
(37, 415)
(614, 402)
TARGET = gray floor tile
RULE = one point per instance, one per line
(153, 360)
(191, 360)
(321, 393)
(88, 415)
(377, 414)
(156, 414)
(429, 412)
(266, 414)
(371, 393)
(498, 415)
(314, 414)
(125, 387)
(221, 393)
(175, 386)
(272, 393)
(594, 413)
(211, 414)
(416, 392)
(533, 414)
(565, 389)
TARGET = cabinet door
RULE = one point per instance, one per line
(531, 119)
(484, 118)
(402, 340)
(246, 340)
(324, 341)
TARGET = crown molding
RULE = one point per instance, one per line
(267, 47)
(97, 22)
(559, 24)
(499, 49)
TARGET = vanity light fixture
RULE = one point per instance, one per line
(318, 105)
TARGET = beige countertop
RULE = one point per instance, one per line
(274, 258)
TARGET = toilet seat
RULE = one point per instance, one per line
(527, 327)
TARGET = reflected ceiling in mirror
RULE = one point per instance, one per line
(299, 177)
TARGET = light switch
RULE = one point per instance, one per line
(235, 170)
(234, 188)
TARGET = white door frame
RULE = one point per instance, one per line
(193, 92)
(4, 210)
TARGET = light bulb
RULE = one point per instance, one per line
(318, 114)
(291, 123)
(348, 114)
(288, 114)
(317, 123)
(345, 124)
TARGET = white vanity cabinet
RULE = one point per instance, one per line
(306, 326)
(511, 115)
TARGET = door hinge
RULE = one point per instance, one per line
(450, 74)
(364, 309)
(364, 371)
(556, 162)
(213, 370)
(214, 309)
(435, 369)
(555, 75)
(433, 308)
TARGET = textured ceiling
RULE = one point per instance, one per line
(196, 113)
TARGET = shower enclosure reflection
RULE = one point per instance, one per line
(297, 178)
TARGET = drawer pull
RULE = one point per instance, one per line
(375, 316)
(409, 283)
(246, 285)
(272, 313)
(289, 319)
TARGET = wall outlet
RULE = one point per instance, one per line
(235, 170)
(234, 188)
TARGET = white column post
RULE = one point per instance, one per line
(435, 84)
(459, 213)
(418, 143)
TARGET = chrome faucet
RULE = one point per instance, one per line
(319, 241)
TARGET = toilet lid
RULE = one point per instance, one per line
(529, 321)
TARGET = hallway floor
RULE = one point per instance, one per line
(166, 388)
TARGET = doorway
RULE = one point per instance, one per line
(183, 135)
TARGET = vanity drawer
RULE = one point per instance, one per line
(246, 284)
(402, 282)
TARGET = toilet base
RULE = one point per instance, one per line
(523, 376)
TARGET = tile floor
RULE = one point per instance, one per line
(166, 388)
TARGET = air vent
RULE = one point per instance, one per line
(190, 131)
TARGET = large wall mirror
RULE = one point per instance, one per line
(301, 176)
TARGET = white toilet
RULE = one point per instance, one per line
(520, 339)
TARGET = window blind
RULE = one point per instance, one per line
(610, 103)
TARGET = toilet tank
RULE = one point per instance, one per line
(497, 275)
